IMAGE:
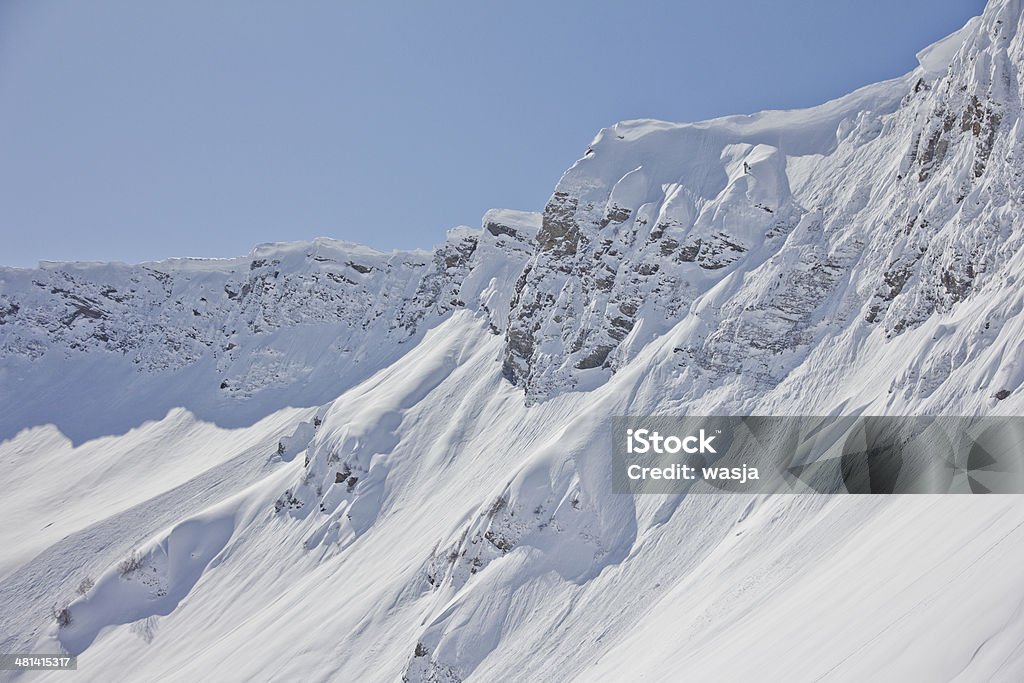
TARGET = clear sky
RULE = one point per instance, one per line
(134, 130)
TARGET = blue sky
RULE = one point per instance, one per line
(140, 130)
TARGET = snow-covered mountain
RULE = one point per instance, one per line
(325, 462)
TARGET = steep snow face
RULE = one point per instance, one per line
(415, 517)
(769, 236)
(863, 217)
(428, 525)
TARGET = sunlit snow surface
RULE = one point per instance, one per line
(325, 473)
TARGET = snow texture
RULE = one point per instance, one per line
(324, 462)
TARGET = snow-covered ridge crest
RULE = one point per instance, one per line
(781, 230)
(936, 58)
(764, 235)
(288, 324)
(411, 516)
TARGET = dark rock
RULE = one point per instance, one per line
(595, 359)
(559, 232)
(8, 311)
(497, 229)
(359, 268)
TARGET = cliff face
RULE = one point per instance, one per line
(170, 314)
(778, 232)
(864, 216)
(289, 324)
(401, 459)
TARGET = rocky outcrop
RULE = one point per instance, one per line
(768, 232)
(633, 243)
(240, 315)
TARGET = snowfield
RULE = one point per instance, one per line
(321, 462)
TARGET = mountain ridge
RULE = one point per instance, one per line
(406, 476)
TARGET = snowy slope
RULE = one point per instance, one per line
(330, 463)
(232, 340)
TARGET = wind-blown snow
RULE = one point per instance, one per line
(936, 58)
(333, 463)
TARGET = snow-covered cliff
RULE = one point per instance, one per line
(784, 233)
(329, 463)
